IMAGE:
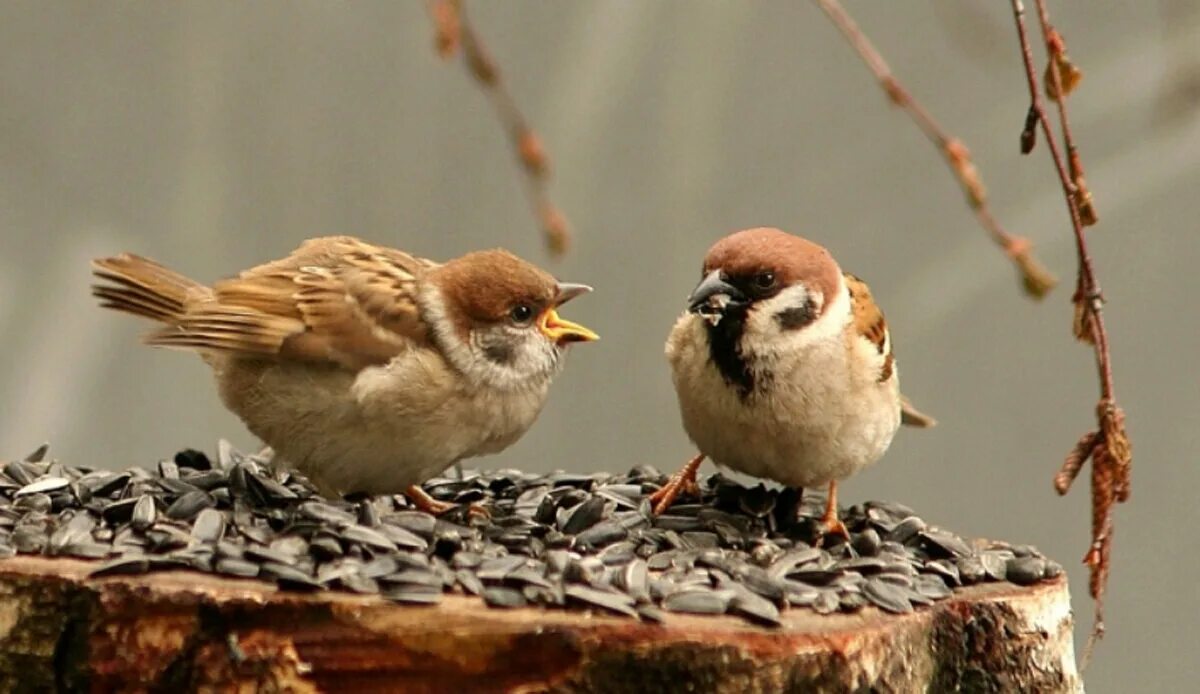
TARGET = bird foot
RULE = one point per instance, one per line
(831, 525)
(433, 507)
(683, 481)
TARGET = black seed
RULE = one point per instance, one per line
(469, 582)
(416, 522)
(939, 543)
(193, 459)
(39, 454)
(325, 513)
(236, 567)
(500, 596)
(852, 602)
(827, 602)
(416, 595)
(613, 602)
(932, 587)
(906, 530)
(887, 596)
(945, 569)
(1053, 569)
(45, 485)
(867, 543)
(995, 564)
(288, 577)
(757, 501)
(601, 535)
(670, 521)
(87, 550)
(499, 568)
(971, 570)
(417, 577)
(651, 613)
(122, 566)
(699, 601)
(187, 506)
(367, 536)
(209, 526)
(755, 607)
(402, 538)
(144, 513)
(1025, 571)
(584, 516)
(39, 503)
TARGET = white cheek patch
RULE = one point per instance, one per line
(530, 363)
(765, 334)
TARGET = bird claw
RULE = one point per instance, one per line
(683, 481)
(421, 499)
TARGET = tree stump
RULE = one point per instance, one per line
(185, 631)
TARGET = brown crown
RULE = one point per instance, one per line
(792, 259)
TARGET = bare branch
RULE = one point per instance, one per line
(1035, 278)
(455, 32)
(1108, 448)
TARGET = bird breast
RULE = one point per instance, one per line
(810, 419)
(378, 430)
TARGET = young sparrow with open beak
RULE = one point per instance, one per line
(783, 368)
(366, 368)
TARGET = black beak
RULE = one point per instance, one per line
(711, 286)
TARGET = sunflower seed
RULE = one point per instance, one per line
(613, 602)
(187, 506)
(500, 596)
(416, 595)
(887, 596)
(699, 601)
(144, 513)
(1025, 571)
(122, 566)
(45, 485)
(236, 567)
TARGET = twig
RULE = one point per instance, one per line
(1036, 280)
(1108, 447)
(454, 32)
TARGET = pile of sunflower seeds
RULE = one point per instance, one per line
(556, 540)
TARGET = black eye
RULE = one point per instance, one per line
(764, 280)
(521, 313)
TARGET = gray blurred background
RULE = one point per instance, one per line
(214, 136)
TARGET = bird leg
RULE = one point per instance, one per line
(829, 521)
(421, 499)
(684, 480)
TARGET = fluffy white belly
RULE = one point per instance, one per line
(803, 427)
(377, 431)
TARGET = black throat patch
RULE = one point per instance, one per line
(724, 339)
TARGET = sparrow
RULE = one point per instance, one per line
(784, 369)
(366, 368)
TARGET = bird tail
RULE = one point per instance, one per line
(913, 417)
(140, 286)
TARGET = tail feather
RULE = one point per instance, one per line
(144, 288)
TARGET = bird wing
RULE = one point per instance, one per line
(869, 325)
(337, 299)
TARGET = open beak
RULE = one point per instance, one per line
(714, 294)
(562, 331)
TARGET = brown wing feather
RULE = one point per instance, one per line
(334, 299)
(870, 324)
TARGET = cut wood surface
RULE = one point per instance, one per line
(186, 631)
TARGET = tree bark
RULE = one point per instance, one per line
(182, 631)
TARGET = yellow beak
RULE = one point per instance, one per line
(562, 331)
